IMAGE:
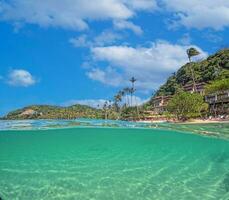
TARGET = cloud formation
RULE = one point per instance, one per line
(76, 14)
(122, 25)
(107, 37)
(71, 14)
(98, 103)
(106, 76)
(95, 103)
(20, 78)
(199, 13)
(150, 65)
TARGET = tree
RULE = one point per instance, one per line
(185, 105)
(192, 52)
(132, 80)
(127, 91)
(210, 69)
(121, 93)
(117, 100)
(217, 86)
(105, 106)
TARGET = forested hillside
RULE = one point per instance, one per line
(213, 68)
(54, 112)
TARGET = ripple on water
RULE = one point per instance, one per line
(226, 182)
(115, 164)
(212, 129)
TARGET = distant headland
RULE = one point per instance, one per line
(197, 90)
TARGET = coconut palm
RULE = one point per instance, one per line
(192, 52)
(132, 80)
(132, 91)
(109, 104)
(121, 93)
(127, 93)
(117, 100)
(105, 105)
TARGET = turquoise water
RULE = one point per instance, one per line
(214, 129)
(112, 163)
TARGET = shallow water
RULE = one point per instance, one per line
(112, 163)
(213, 129)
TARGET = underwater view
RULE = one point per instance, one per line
(97, 159)
(114, 100)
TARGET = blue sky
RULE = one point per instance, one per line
(81, 51)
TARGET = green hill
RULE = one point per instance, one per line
(213, 68)
(54, 112)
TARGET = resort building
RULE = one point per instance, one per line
(159, 103)
(191, 88)
(218, 102)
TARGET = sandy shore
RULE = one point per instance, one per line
(199, 121)
(194, 121)
(151, 121)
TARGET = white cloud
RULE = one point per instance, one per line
(70, 14)
(150, 65)
(105, 38)
(81, 41)
(122, 24)
(95, 103)
(20, 77)
(211, 37)
(185, 39)
(136, 100)
(98, 103)
(141, 4)
(107, 76)
(76, 14)
(199, 13)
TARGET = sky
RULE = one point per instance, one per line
(83, 51)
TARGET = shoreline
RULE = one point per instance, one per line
(192, 121)
(195, 121)
(205, 122)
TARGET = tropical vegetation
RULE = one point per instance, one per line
(217, 86)
(214, 71)
(185, 105)
(215, 67)
(55, 112)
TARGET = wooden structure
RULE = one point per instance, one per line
(159, 103)
(218, 102)
(199, 87)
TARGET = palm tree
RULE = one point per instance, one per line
(117, 100)
(132, 80)
(109, 105)
(192, 52)
(105, 108)
(121, 93)
(127, 92)
(132, 90)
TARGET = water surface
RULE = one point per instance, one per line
(112, 163)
